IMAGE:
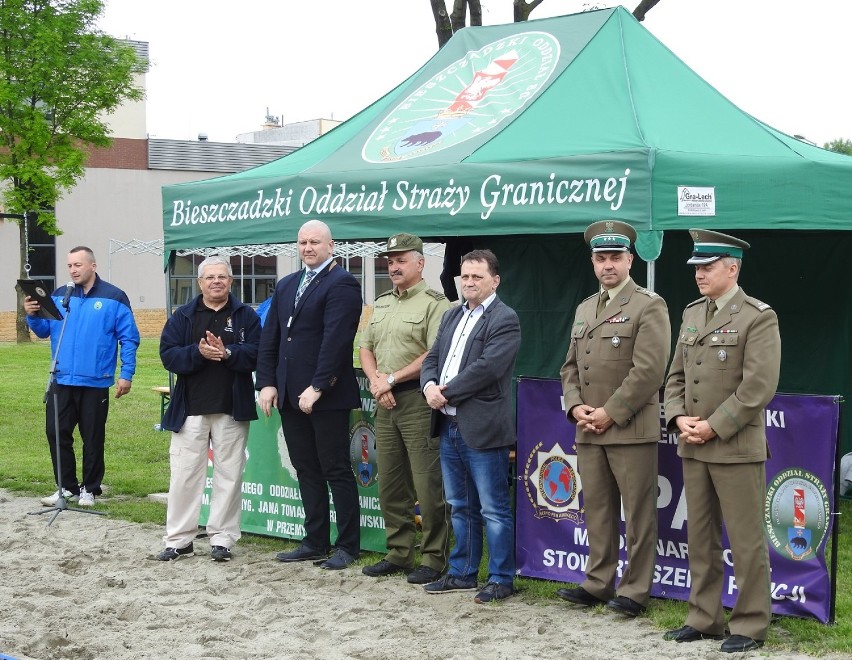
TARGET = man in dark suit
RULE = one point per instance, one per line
(467, 380)
(611, 380)
(304, 367)
(724, 372)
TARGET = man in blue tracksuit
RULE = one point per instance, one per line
(99, 322)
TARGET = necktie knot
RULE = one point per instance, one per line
(711, 311)
(602, 301)
(306, 280)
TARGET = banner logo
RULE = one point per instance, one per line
(473, 95)
(797, 514)
(553, 486)
(362, 453)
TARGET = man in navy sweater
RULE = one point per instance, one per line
(211, 344)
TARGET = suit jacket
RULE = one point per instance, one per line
(482, 390)
(726, 373)
(312, 344)
(618, 360)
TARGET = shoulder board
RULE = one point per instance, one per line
(647, 292)
(760, 305)
(695, 302)
(594, 295)
(437, 295)
(386, 293)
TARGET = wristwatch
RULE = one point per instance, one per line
(391, 379)
(227, 353)
(316, 389)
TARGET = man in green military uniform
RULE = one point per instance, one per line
(403, 327)
(725, 370)
(611, 380)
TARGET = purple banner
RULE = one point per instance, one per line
(802, 434)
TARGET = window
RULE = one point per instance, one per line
(42, 256)
(254, 278)
(383, 282)
(183, 285)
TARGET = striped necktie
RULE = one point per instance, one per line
(306, 280)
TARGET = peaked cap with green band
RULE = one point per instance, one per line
(713, 245)
(610, 236)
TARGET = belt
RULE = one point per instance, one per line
(407, 385)
(451, 418)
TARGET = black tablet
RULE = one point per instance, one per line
(39, 291)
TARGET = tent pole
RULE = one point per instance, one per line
(651, 273)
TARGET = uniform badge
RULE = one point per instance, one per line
(723, 355)
(616, 341)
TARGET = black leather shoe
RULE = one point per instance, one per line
(625, 605)
(423, 575)
(740, 644)
(579, 596)
(303, 553)
(339, 560)
(382, 568)
(688, 634)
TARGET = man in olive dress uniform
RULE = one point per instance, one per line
(724, 372)
(611, 380)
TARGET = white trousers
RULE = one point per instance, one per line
(188, 459)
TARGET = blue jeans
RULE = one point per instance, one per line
(476, 485)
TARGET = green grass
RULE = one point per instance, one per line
(137, 461)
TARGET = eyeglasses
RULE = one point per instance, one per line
(216, 278)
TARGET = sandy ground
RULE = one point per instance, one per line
(82, 589)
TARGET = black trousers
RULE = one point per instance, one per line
(85, 408)
(319, 450)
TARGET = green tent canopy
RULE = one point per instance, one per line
(529, 128)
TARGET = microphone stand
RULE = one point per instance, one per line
(61, 505)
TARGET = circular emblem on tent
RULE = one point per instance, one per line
(552, 484)
(473, 95)
(797, 514)
(362, 453)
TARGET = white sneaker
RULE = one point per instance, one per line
(51, 500)
(86, 498)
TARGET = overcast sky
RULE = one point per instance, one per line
(217, 66)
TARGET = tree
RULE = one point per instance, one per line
(59, 79)
(446, 25)
(839, 146)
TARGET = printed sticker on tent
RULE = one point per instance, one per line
(693, 200)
